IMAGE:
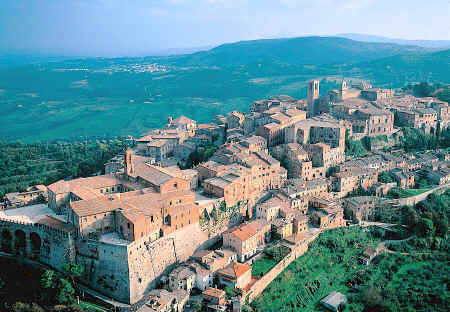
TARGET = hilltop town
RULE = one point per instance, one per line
(187, 209)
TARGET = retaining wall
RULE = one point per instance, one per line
(258, 287)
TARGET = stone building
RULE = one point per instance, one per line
(440, 177)
(282, 228)
(214, 296)
(216, 132)
(235, 275)
(366, 119)
(362, 208)
(162, 300)
(376, 94)
(443, 113)
(295, 159)
(419, 118)
(33, 194)
(241, 175)
(182, 277)
(235, 119)
(404, 179)
(326, 213)
(160, 144)
(323, 155)
(247, 238)
(270, 209)
(317, 130)
(183, 124)
(275, 121)
(349, 181)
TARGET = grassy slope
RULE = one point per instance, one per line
(393, 282)
(329, 262)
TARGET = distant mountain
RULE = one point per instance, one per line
(296, 51)
(400, 69)
(102, 97)
(179, 51)
(432, 44)
(8, 60)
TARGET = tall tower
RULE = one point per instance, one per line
(344, 85)
(128, 162)
(343, 90)
(313, 95)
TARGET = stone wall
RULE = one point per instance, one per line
(413, 200)
(105, 268)
(258, 287)
(125, 272)
(37, 242)
(149, 262)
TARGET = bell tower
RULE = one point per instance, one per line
(313, 95)
(128, 162)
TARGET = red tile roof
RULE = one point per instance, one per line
(234, 270)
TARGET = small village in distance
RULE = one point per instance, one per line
(187, 211)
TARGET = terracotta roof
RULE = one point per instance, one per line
(294, 112)
(202, 253)
(271, 125)
(370, 253)
(56, 224)
(157, 143)
(183, 120)
(213, 292)
(246, 230)
(152, 174)
(280, 117)
(85, 193)
(234, 270)
(218, 182)
(96, 182)
(147, 203)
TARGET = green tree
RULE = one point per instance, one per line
(410, 217)
(25, 307)
(197, 305)
(425, 227)
(441, 226)
(66, 292)
(385, 177)
(423, 89)
(372, 297)
(48, 279)
(71, 308)
(57, 288)
(73, 271)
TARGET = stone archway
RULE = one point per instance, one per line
(36, 244)
(6, 241)
(20, 242)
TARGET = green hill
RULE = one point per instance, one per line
(296, 51)
(400, 69)
(75, 99)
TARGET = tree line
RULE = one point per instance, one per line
(23, 165)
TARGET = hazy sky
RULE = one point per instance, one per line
(138, 27)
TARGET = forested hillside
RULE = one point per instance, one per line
(22, 165)
(295, 51)
(396, 70)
